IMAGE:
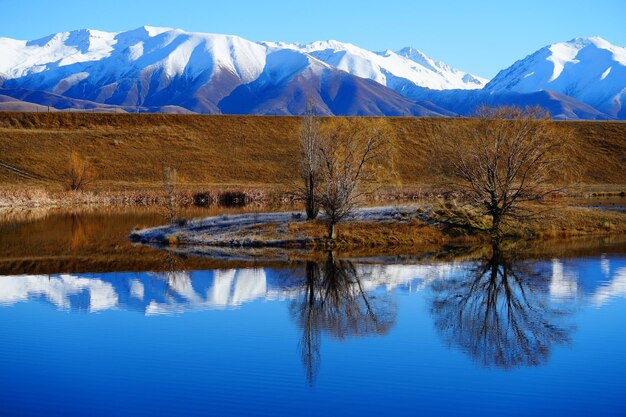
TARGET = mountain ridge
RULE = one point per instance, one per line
(163, 69)
(590, 70)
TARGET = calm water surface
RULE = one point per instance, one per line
(91, 325)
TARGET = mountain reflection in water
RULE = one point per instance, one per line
(177, 291)
(502, 311)
(174, 291)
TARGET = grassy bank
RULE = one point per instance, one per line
(129, 151)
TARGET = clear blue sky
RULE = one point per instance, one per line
(480, 36)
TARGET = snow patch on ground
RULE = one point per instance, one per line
(239, 230)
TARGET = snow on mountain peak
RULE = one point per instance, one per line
(416, 55)
(172, 50)
(20, 58)
(392, 69)
(177, 52)
(153, 31)
(198, 70)
(591, 70)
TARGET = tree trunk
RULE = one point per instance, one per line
(495, 250)
(311, 205)
(331, 230)
(495, 225)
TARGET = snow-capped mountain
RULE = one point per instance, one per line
(143, 67)
(391, 69)
(590, 70)
(155, 67)
(292, 78)
(169, 70)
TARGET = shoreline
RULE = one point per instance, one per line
(236, 196)
(96, 240)
(15, 198)
(380, 228)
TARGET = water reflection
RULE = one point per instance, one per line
(592, 281)
(42, 241)
(334, 300)
(500, 311)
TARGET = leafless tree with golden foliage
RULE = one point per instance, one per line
(79, 173)
(350, 155)
(309, 163)
(508, 156)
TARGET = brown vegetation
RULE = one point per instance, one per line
(79, 173)
(350, 157)
(510, 155)
(309, 164)
(235, 158)
(446, 226)
(129, 150)
(414, 234)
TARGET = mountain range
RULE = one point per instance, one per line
(153, 69)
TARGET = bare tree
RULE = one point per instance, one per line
(348, 153)
(506, 156)
(79, 173)
(170, 179)
(310, 163)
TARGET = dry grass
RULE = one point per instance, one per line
(362, 235)
(577, 221)
(129, 151)
(555, 219)
(255, 155)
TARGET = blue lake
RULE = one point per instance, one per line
(490, 335)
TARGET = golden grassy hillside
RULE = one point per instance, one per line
(130, 150)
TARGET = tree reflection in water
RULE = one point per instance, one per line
(173, 274)
(500, 312)
(336, 301)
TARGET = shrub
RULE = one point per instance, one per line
(202, 200)
(79, 173)
(232, 199)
